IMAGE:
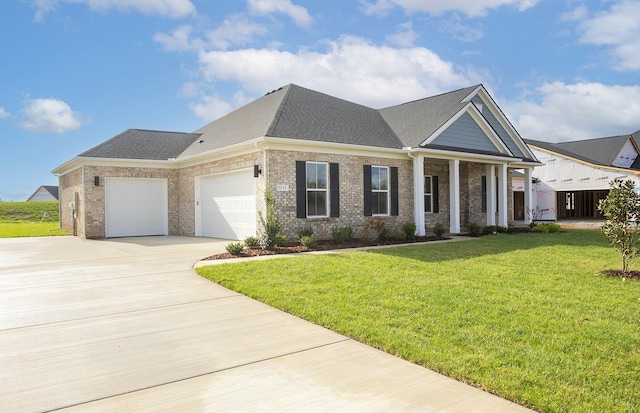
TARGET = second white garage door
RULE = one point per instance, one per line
(135, 207)
(226, 205)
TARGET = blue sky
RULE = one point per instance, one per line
(75, 73)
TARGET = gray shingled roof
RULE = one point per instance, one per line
(143, 144)
(295, 112)
(298, 113)
(248, 122)
(310, 115)
(52, 189)
(415, 121)
(598, 151)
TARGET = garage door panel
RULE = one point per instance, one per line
(228, 205)
(135, 207)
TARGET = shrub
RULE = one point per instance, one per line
(439, 230)
(621, 207)
(280, 239)
(234, 248)
(309, 241)
(489, 229)
(251, 242)
(545, 228)
(553, 227)
(270, 225)
(378, 226)
(540, 229)
(340, 235)
(475, 230)
(304, 232)
(409, 230)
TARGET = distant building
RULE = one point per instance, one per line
(44, 193)
(575, 175)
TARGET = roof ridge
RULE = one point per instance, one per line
(435, 96)
(278, 114)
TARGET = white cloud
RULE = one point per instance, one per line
(42, 7)
(168, 8)
(351, 68)
(460, 31)
(212, 107)
(50, 116)
(559, 112)
(405, 36)
(298, 14)
(3, 113)
(617, 28)
(471, 8)
(235, 30)
(179, 40)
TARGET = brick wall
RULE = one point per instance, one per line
(95, 202)
(186, 186)
(282, 172)
(68, 184)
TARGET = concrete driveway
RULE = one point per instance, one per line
(126, 326)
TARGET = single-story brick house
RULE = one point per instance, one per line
(328, 161)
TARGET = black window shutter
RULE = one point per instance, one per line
(301, 189)
(435, 194)
(394, 190)
(368, 195)
(484, 193)
(334, 190)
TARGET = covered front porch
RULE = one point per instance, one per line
(463, 190)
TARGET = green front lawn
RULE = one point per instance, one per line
(30, 229)
(29, 219)
(527, 317)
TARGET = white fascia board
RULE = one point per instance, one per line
(500, 116)
(332, 147)
(465, 156)
(472, 110)
(80, 161)
(67, 167)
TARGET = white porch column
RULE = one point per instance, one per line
(491, 198)
(528, 196)
(418, 194)
(503, 219)
(454, 196)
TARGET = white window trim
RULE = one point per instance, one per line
(325, 190)
(388, 190)
(430, 204)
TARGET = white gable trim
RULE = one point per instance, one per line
(472, 110)
(497, 112)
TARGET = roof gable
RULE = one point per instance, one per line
(143, 144)
(415, 121)
(466, 133)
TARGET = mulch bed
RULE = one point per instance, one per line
(323, 245)
(623, 275)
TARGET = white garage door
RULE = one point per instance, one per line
(135, 207)
(226, 205)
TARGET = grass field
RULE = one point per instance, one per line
(29, 219)
(528, 317)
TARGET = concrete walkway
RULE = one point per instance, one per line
(127, 326)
